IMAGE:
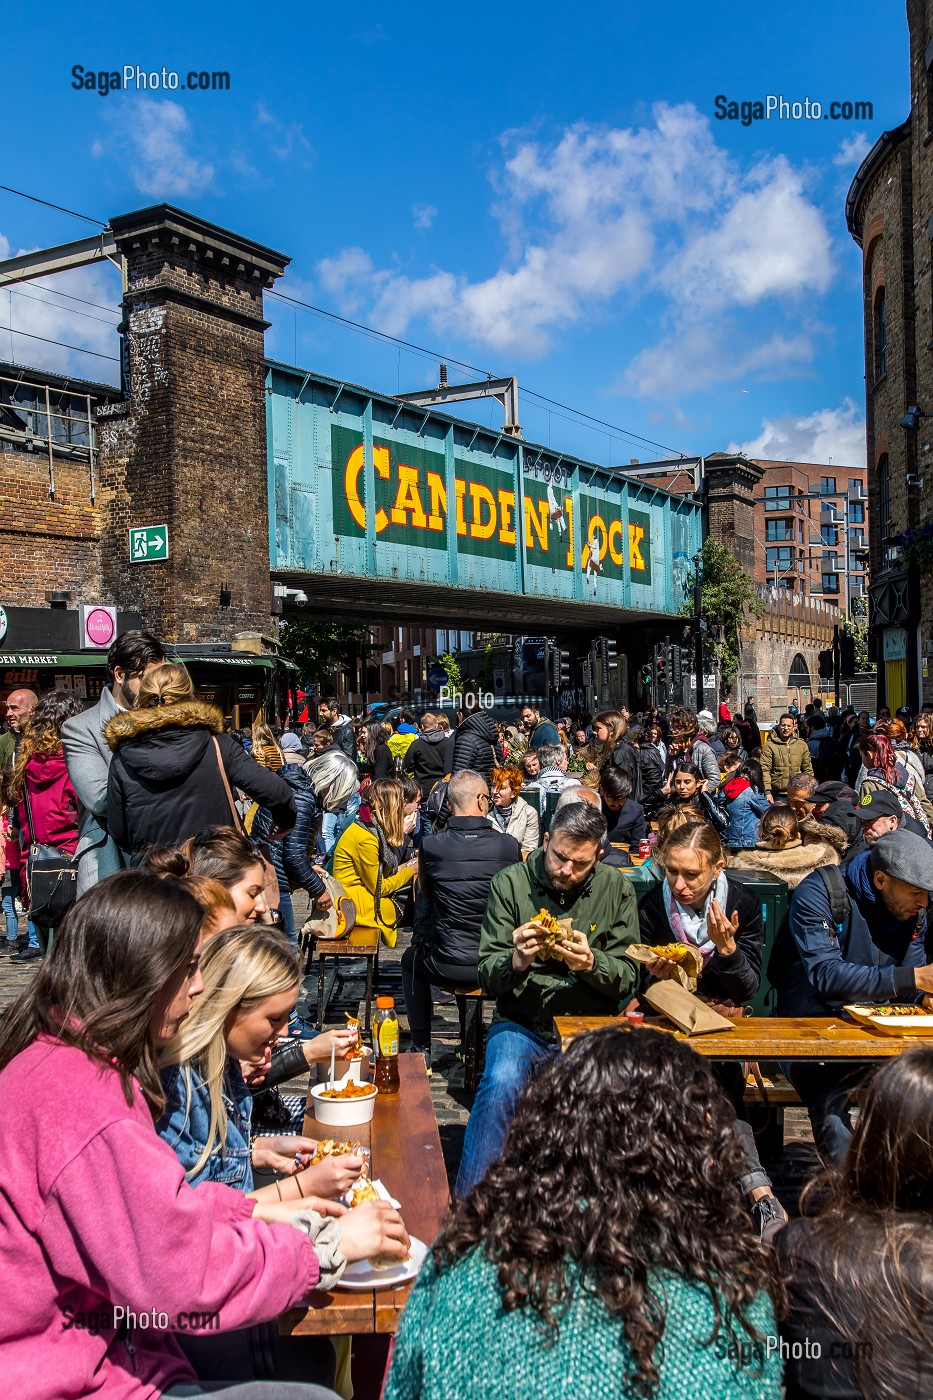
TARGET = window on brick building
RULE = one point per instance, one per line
(827, 486)
(778, 497)
(778, 559)
(856, 488)
(779, 530)
(830, 583)
(856, 513)
(884, 508)
(829, 534)
(881, 334)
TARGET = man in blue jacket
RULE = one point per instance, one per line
(859, 937)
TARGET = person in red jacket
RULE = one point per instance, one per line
(46, 803)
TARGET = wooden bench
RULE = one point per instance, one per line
(362, 943)
(470, 1002)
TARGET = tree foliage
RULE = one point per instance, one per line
(451, 665)
(728, 596)
(319, 648)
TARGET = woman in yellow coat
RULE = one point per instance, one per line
(366, 858)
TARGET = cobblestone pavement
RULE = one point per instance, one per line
(345, 992)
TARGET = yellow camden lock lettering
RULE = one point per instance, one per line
(485, 513)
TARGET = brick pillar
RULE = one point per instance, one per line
(729, 498)
(188, 447)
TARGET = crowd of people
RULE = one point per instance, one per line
(613, 1226)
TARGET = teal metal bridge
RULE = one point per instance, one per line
(399, 513)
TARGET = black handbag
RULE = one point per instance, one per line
(52, 879)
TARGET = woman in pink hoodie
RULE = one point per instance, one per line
(47, 806)
(107, 1251)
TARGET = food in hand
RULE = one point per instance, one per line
(330, 1147)
(388, 1261)
(362, 1191)
(356, 1050)
(555, 931)
(350, 1090)
(682, 954)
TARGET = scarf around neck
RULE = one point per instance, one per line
(689, 926)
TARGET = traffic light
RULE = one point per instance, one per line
(611, 654)
(646, 676)
(826, 665)
(660, 654)
(561, 668)
(676, 666)
(846, 654)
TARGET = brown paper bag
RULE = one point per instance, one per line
(688, 1013)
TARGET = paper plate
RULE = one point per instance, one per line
(875, 1018)
(357, 1278)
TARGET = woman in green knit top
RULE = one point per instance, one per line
(607, 1251)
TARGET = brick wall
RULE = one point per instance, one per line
(47, 544)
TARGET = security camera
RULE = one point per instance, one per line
(299, 598)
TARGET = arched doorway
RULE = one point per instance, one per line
(798, 681)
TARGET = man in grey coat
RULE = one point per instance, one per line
(87, 754)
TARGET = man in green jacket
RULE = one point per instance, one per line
(784, 755)
(588, 975)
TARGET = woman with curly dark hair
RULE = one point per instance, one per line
(858, 1271)
(606, 1252)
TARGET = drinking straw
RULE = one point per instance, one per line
(333, 1054)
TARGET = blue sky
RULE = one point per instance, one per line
(531, 191)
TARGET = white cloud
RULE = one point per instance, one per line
(834, 435)
(423, 215)
(39, 318)
(770, 242)
(853, 151)
(287, 140)
(153, 138)
(603, 213)
(699, 356)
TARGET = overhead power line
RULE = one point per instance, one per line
(79, 349)
(472, 369)
(60, 207)
(363, 329)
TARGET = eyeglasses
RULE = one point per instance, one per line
(484, 797)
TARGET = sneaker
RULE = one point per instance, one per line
(770, 1217)
(27, 955)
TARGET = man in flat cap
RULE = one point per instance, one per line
(858, 936)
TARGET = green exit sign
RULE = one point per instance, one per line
(147, 543)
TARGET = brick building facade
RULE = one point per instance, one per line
(888, 212)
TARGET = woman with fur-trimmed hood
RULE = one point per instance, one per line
(782, 853)
(170, 756)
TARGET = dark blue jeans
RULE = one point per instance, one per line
(512, 1056)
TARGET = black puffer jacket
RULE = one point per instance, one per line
(291, 857)
(457, 866)
(165, 782)
(475, 745)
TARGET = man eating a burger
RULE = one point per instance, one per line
(537, 971)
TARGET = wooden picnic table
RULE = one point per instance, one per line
(407, 1158)
(768, 1038)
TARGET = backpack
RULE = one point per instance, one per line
(435, 807)
(785, 952)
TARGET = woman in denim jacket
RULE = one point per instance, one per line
(747, 804)
(251, 981)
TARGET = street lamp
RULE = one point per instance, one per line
(911, 419)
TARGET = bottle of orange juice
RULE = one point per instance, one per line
(385, 1046)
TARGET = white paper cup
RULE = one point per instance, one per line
(341, 1113)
